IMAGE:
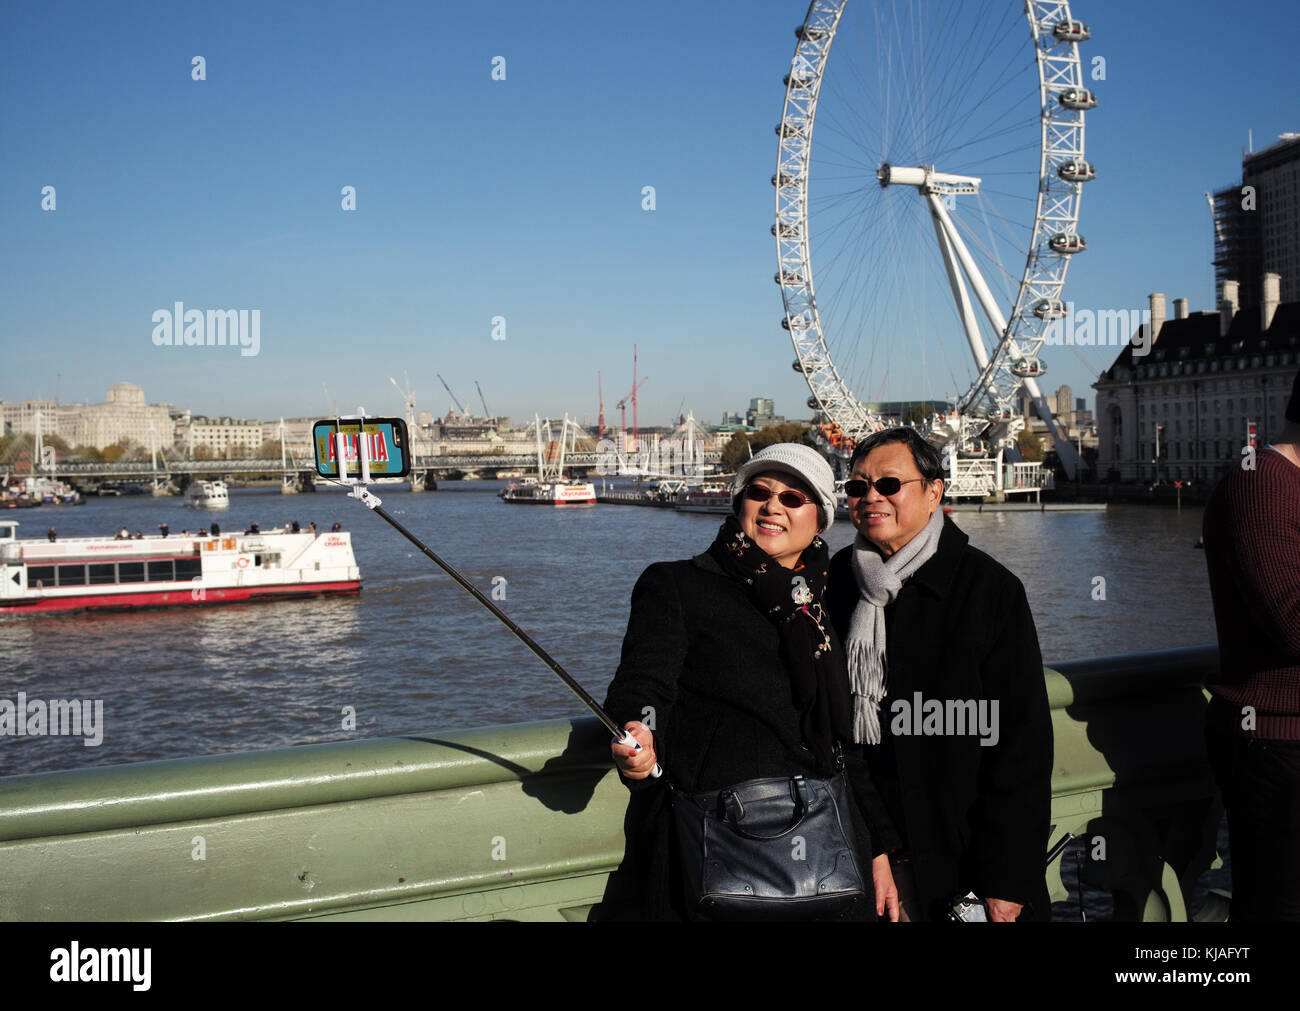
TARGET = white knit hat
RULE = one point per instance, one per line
(804, 462)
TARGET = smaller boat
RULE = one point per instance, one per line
(708, 497)
(551, 487)
(207, 495)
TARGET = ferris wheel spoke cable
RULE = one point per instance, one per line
(1010, 129)
(966, 117)
(953, 86)
(957, 77)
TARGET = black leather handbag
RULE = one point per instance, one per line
(769, 849)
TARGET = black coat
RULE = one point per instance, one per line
(975, 818)
(707, 664)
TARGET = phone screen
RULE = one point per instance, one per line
(386, 440)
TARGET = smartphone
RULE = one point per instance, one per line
(386, 439)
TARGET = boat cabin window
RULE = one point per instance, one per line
(72, 575)
(157, 570)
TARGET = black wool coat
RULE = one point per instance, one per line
(974, 817)
(702, 665)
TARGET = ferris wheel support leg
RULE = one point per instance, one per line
(959, 293)
(1065, 450)
(986, 299)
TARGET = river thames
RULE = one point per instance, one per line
(414, 653)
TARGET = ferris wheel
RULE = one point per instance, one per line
(923, 241)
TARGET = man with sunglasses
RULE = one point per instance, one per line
(949, 697)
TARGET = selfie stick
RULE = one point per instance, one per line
(373, 503)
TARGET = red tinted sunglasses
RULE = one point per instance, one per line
(789, 498)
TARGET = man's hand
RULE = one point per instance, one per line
(632, 763)
(886, 890)
(1002, 911)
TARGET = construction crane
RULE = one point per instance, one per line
(460, 407)
(487, 415)
(622, 412)
(1218, 241)
(408, 396)
(636, 385)
(600, 397)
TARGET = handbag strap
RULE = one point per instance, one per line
(731, 809)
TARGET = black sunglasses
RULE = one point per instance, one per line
(885, 485)
(789, 498)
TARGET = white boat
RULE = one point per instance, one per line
(207, 495)
(551, 493)
(81, 573)
(550, 487)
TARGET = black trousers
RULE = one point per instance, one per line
(1260, 784)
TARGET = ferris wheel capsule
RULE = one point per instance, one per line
(809, 33)
(813, 404)
(786, 230)
(789, 130)
(1067, 242)
(1077, 172)
(799, 82)
(1027, 369)
(1071, 31)
(797, 365)
(1049, 308)
(785, 179)
(788, 277)
(1078, 99)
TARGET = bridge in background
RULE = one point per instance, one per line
(168, 476)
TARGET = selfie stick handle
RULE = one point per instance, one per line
(373, 503)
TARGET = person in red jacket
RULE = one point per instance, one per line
(1251, 531)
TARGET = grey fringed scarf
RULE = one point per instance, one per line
(879, 581)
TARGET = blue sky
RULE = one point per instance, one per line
(519, 198)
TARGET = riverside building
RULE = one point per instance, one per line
(124, 415)
(1212, 383)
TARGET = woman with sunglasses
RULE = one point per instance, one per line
(731, 672)
(948, 690)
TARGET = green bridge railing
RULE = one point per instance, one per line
(525, 822)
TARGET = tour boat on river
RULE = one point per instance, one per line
(207, 495)
(81, 573)
(557, 493)
(709, 497)
(550, 487)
